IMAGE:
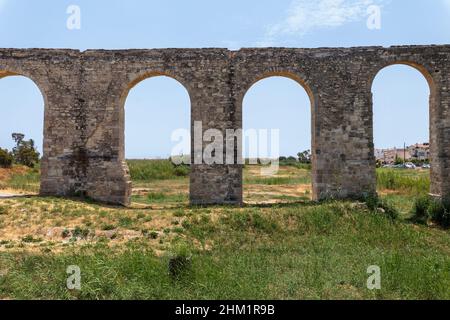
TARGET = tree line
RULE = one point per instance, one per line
(24, 153)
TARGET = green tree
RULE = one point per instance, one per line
(304, 157)
(6, 158)
(24, 152)
(18, 138)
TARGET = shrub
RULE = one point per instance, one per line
(375, 204)
(6, 158)
(31, 239)
(80, 232)
(180, 262)
(420, 209)
(153, 235)
(125, 222)
(108, 227)
(181, 171)
(439, 212)
(436, 210)
(65, 233)
(3, 210)
(388, 209)
(371, 202)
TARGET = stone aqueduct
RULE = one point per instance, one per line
(85, 92)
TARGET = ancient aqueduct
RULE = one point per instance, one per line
(85, 92)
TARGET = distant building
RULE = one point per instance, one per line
(419, 151)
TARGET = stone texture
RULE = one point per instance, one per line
(85, 93)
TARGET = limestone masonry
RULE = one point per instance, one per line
(85, 93)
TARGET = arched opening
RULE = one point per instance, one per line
(157, 140)
(402, 94)
(277, 126)
(21, 135)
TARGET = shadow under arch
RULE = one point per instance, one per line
(306, 86)
(432, 106)
(5, 73)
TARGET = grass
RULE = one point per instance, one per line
(286, 176)
(148, 170)
(163, 249)
(403, 180)
(297, 252)
(274, 181)
(22, 178)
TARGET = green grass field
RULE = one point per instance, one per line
(280, 245)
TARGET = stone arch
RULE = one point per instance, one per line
(306, 85)
(122, 101)
(130, 85)
(9, 73)
(419, 67)
(4, 73)
(433, 107)
(285, 74)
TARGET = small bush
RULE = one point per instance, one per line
(81, 233)
(388, 209)
(125, 222)
(436, 210)
(181, 171)
(6, 159)
(178, 230)
(420, 209)
(65, 233)
(179, 213)
(108, 227)
(180, 262)
(439, 212)
(3, 211)
(153, 235)
(372, 202)
(31, 239)
(375, 204)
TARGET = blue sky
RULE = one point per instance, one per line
(272, 103)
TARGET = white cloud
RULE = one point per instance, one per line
(304, 16)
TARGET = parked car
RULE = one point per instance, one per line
(410, 165)
(426, 166)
